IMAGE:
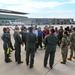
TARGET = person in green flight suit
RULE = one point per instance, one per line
(50, 41)
(18, 43)
(6, 46)
(30, 46)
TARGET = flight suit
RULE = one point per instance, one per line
(30, 48)
(50, 41)
(18, 42)
(5, 39)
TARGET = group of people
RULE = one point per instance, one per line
(33, 37)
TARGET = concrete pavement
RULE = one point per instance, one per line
(14, 69)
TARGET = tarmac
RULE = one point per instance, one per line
(22, 69)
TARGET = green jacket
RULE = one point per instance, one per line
(50, 41)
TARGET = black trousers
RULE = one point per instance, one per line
(40, 42)
(30, 53)
(6, 56)
(51, 60)
(18, 53)
(6, 59)
(36, 46)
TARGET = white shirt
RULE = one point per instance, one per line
(36, 32)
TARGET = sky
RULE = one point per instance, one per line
(42, 8)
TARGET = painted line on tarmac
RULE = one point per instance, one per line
(51, 69)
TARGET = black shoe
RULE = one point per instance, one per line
(15, 60)
(51, 66)
(20, 62)
(74, 57)
(8, 61)
(63, 62)
(27, 63)
(45, 66)
(69, 59)
(31, 66)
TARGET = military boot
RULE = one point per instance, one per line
(74, 57)
(62, 62)
(69, 59)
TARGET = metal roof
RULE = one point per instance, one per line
(12, 12)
